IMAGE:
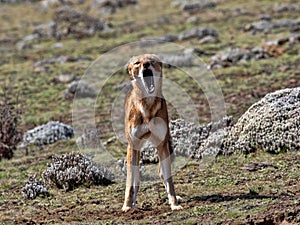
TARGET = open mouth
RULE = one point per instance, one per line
(148, 80)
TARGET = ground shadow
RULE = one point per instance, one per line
(224, 198)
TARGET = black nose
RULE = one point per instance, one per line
(146, 64)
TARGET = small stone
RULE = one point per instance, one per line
(80, 89)
(200, 32)
(192, 19)
(208, 39)
(57, 45)
(63, 78)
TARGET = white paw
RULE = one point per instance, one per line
(176, 207)
(126, 208)
(179, 199)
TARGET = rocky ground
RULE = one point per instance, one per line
(239, 169)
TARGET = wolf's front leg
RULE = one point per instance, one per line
(133, 178)
(165, 174)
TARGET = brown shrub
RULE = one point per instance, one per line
(10, 115)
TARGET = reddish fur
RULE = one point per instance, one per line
(154, 106)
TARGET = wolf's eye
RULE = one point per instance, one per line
(137, 63)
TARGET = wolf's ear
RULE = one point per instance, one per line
(128, 67)
(160, 63)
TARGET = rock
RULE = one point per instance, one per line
(63, 79)
(197, 5)
(236, 55)
(34, 188)
(26, 42)
(266, 17)
(200, 32)
(230, 56)
(47, 134)
(265, 26)
(79, 89)
(294, 38)
(57, 45)
(193, 6)
(45, 30)
(71, 170)
(185, 58)
(286, 7)
(192, 19)
(208, 39)
(70, 22)
(164, 38)
(259, 26)
(46, 4)
(60, 59)
(272, 125)
(191, 140)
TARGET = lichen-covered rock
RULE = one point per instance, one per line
(41, 65)
(235, 55)
(34, 188)
(286, 7)
(180, 59)
(47, 134)
(197, 5)
(193, 6)
(199, 33)
(45, 30)
(272, 124)
(71, 170)
(63, 79)
(265, 26)
(80, 89)
(70, 22)
(191, 140)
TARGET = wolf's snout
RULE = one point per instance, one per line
(146, 65)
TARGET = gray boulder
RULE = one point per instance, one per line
(266, 26)
(45, 30)
(199, 33)
(193, 6)
(197, 5)
(73, 23)
(79, 89)
(272, 124)
(47, 134)
(191, 140)
(180, 59)
(232, 56)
